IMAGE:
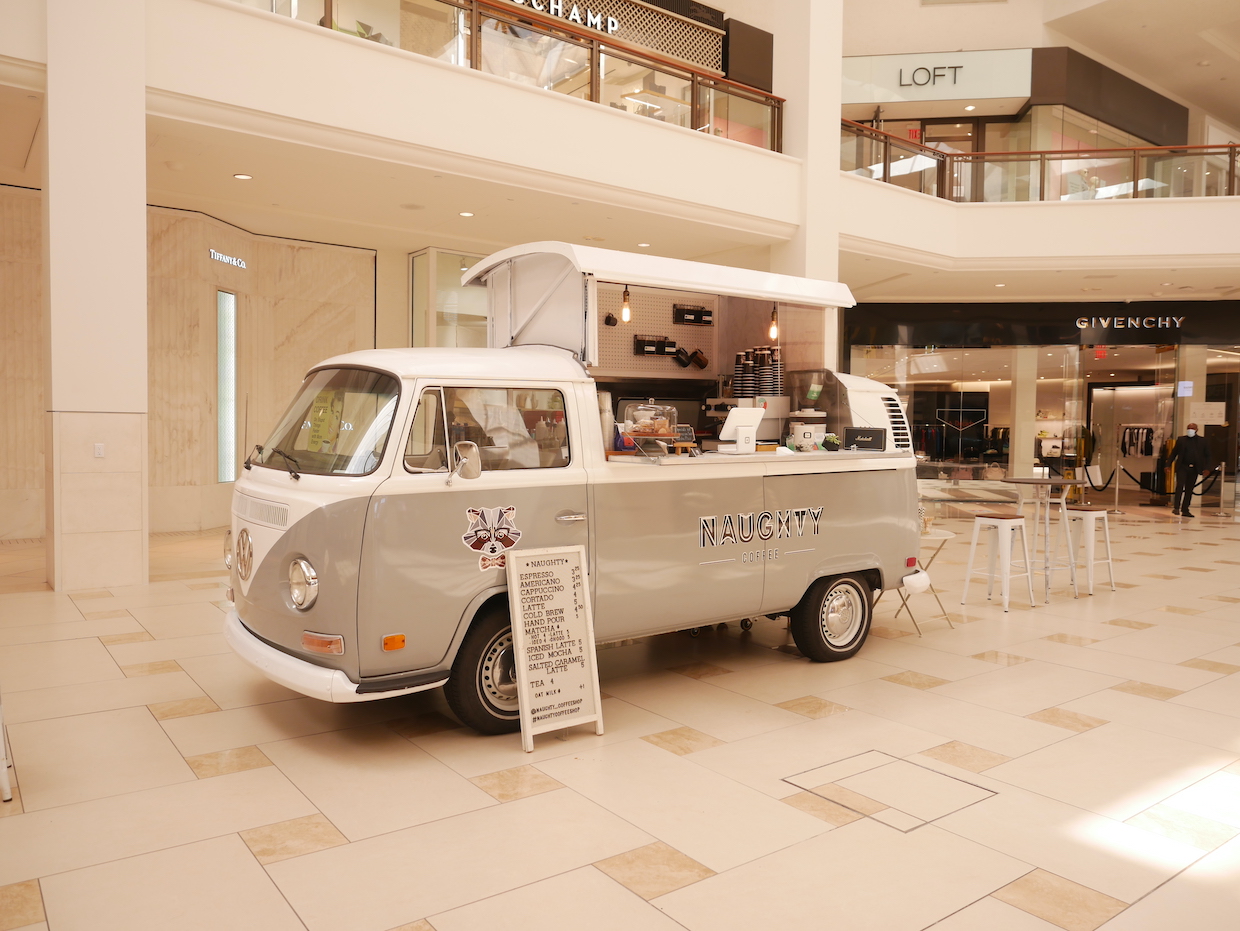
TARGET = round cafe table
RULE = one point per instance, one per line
(1043, 498)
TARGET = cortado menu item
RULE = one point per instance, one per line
(553, 635)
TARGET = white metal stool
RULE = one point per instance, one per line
(1006, 526)
(1089, 515)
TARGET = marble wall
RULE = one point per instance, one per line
(297, 303)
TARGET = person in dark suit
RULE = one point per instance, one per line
(1191, 456)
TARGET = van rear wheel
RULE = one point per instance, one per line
(833, 619)
(482, 690)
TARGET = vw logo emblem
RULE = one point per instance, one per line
(245, 554)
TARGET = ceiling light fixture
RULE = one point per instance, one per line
(465, 213)
(1000, 286)
(643, 245)
(626, 312)
(244, 177)
(970, 108)
(773, 332)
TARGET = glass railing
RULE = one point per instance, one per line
(1083, 174)
(539, 50)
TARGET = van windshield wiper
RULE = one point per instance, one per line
(289, 462)
(257, 449)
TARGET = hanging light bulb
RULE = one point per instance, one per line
(626, 312)
(773, 333)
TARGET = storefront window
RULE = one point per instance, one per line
(535, 58)
(636, 88)
(445, 312)
(437, 30)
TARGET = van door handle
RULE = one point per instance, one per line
(569, 517)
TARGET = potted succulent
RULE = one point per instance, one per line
(830, 441)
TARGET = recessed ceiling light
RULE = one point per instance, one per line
(970, 108)
(243, 177)
(465, 213)
(1167, 284)
(643, 245)
(593, 238)
(1000, 286)
(1204, 63)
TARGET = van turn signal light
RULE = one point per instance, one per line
(394, 642)
(332, 644)
(911, 562)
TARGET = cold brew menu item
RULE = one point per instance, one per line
(553, 634)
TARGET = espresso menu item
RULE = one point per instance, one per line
(553, 634)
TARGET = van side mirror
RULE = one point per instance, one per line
(468, 460)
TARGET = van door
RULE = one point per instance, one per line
(674, 545)
(431, 547)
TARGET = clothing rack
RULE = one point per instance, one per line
(1150, 437)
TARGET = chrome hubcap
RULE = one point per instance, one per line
(842, 612)
(497, 674)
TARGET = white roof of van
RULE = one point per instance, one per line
(532, 363)
(677, 274)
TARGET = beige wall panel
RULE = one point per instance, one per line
(21, 364)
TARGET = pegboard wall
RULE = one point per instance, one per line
(652, 316)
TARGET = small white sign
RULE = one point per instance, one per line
(1184, 389)
(1204, 412)
(553, 635)
(875, 79)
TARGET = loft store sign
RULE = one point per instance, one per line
(227, 259)
(920, 77)
(591, 20)
(1129, 323)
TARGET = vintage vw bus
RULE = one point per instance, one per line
(369, 533)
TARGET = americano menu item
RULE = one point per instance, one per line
(553, 635)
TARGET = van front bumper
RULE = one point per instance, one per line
(301, 676)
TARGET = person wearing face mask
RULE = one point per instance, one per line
(1191, 456)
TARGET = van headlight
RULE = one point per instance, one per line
(303, 583)
(228, 549)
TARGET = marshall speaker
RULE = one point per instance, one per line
(865, 438)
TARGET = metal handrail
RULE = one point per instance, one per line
(947, 161)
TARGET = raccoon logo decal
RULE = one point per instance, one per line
(491, 532)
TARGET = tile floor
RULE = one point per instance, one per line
(1073, 765)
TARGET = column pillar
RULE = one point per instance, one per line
(393, 319)
(1024, 411)
(95, 313)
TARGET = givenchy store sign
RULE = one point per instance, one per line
(1129, 323)
(574, 14)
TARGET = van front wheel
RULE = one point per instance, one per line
(482, 690)
(833, 619)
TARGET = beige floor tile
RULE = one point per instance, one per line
(849, 799)
(232, 682)
(1227, 599)
(1162, 717)
(185, 620)
(166, 889)
(841, 769)
(1114, 770)
(1060, 901)
(965, 756)
(39, 704)
(702, 705)
(1133, 625)
(275, 842)
(1002, 659)
(683, 741)
(915, 790)
(14, 805)
(812, 707)
(420, 925)
(1167, 644)
(1115, 664)
(939, 874)
(360, 779)
(1216, 797)
(508, 785)
(1176, 609)
(167, 710)
(97, 615)
(55, 840)
(1028, 687)
(1158, 575)
(989, 633)
(585, 899)
(67, 630)
(1146, 690)
(87, 596)
(654, 870)
(223, 762)
(792, 680)
(900, 820)
(822, 808)
(950, 717)
(1203, 897)
(1071, 640)
(889, 633)
(47, 665)
(1209, 665)
(989, 914)
(21, 904)
(151, 669)
(702, 814)
(700, 670)
(112, 639)
(366, 885)
(1184, 826)
(1070, 720)
(154, 651)
(420, 725)
(915, 680)
(1221, 696)
(909, 655)
(88, 756)
(1102, 853)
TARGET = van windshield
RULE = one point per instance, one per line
(337, 425)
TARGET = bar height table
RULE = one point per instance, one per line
(1042, 500)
